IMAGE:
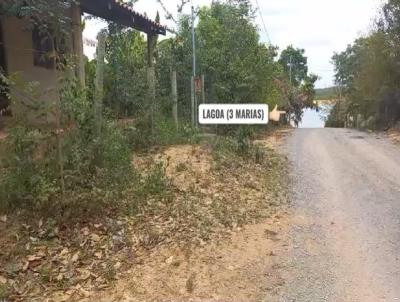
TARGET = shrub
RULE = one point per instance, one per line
(28, 170)
(227, 148)
(140, 135)
(79, 164)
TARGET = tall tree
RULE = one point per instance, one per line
(294, 64)
(125, 84)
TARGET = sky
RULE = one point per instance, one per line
(321, 27)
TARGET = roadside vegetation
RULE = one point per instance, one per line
(367, 77)
(89, 187)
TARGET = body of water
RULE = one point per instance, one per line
(313, 119)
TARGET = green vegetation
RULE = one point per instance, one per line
(237, 69)
(77, 203)
(367, 74)
(79, 159)
(329, 93)
(57, 171)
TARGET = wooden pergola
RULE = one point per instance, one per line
(121, 13)
(118, 12)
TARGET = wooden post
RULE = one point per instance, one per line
(98, 89)
(78, 43)
(174, 96)
(203, 90)
(151, 75)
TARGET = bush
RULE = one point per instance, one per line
(155, 182)
(28, 170)
(227, 148)
(151, 190)
(95, 169)
(140, 134)
(99, 161)
(79, 164)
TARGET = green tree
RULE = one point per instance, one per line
(125, 76)
(367, 74)
(238, 67)
(294, 64)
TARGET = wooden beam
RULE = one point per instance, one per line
(111, 11)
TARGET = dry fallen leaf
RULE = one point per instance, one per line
(84, 292)
(84, 274)
(60, 277)
(25, 266)
(75, 257)
(34, 258)
(3, 218)
(95, 237)
(117, 265)
(3, 280)
(63, 252)
(85, 231)
(61, 297)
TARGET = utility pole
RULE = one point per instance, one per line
(290, 69)
(193, 94)
(193, 43)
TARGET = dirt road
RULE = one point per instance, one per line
(344, 244)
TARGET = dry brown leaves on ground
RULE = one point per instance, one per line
(207, 203)
(394, 135)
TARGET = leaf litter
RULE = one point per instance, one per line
(189, 235)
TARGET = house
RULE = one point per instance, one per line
(22, 49)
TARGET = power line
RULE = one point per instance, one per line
(262, 20)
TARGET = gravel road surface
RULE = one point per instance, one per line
(344, 243)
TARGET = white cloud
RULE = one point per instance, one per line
(319, 26)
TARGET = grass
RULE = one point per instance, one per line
(4, 293)
(244, 184)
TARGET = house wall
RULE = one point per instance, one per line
(19, 61)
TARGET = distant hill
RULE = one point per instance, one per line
(325, 93)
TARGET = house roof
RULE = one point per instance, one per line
(122, 13)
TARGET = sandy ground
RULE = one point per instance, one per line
(243, 268)
(339, 240)
(344, 242)
(239, 266)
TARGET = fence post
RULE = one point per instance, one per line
(174, 95)
(98, 89)
(151, 75)
(78, 43)
(203, 89)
